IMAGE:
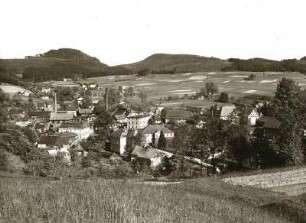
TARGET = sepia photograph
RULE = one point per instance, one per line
(152, 111)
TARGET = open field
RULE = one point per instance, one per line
(291, 182)
(11, 89)
(160, 86)
(197, 200)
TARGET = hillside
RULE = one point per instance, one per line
(98, 200)
(178, 63)
(55, 65)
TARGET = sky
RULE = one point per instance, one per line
(125, 31)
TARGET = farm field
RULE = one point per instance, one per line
(197, 200)
(290, 182)
(160, 86)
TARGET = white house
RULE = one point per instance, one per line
(137, 121)
(152, 133)
(253, 117)
(83, 131)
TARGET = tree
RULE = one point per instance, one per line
(113, 97)
(143, 95)
(101, 125)
(289, 110)
(211, 88)
(4, 100)
(129, 92)
(87, 102)
(143, 72)
(162, 142)
(224, 97)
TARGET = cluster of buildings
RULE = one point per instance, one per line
(62, 129)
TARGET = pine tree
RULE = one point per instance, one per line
(288, 106)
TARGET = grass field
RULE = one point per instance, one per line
(291, 182)
(198, 200)
(160, 86)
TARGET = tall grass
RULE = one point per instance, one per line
(31, 200)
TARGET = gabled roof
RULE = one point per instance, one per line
(61, 116)
(156, 128)
(178, 114)
(227, 110)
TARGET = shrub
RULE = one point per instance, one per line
(224, 98)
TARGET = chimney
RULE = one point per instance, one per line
(55, 102)
(106, 99)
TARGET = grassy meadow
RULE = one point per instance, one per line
(198, 200)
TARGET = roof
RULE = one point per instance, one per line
(227, 110)
(48, 140)
(83, 111)
(69, 134)
(156, 128)
(137, 115)
(62, 140)
(269, 122)
(76, 125)
(178, 114)
(148, 153)
(61, 116)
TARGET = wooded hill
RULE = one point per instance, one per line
(71, 63)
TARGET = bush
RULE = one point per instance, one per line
(224, 98)
(52, 167)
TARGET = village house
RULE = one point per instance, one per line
(46, 90)
(39, 115)
(152, 133)
(82, 130)
(137, 120)
(253, 116)
(57, 144)
(178, 116)
(228, 111)
(120, 118)
(57, 118)
(270, 126)
(84, 114)
(118, 141)
(149, 156)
